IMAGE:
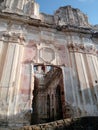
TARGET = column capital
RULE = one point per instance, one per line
(82, 48)
(14, 37)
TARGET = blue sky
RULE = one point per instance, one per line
(89, 7)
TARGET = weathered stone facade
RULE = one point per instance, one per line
(49, 64)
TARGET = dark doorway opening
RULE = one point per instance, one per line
(59, 113)
(48, 97)
(48, 107)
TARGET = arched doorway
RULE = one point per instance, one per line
(48, 91)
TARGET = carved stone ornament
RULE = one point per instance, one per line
(14, 37)
(47, 54)
(84, 48)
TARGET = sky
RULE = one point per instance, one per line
(89, 7)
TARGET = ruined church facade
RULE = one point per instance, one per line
(48, 64)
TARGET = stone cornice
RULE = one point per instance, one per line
(19, 18)
(37, 22)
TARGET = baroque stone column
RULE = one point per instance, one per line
(86, 68)
(9, 3)
(9, 80)
(20, 4)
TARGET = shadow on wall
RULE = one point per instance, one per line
(91, 104)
